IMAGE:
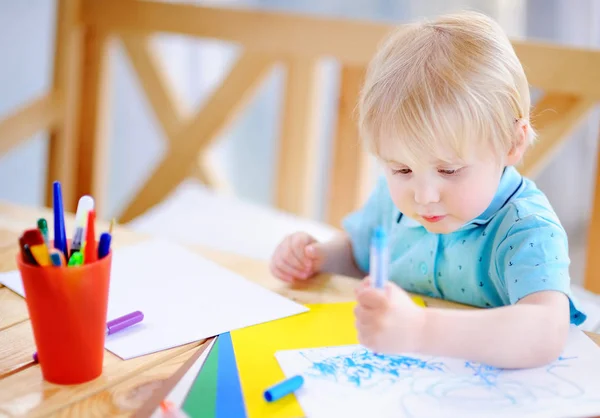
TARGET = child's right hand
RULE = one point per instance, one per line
(298, 257)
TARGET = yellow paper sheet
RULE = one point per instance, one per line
(328, 324)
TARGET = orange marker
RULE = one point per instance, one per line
(90, 253)
(169, 410)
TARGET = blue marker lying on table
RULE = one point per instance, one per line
(284, 388)
(380, 259)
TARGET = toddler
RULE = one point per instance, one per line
(445, 109)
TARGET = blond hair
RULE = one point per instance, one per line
(452, 83)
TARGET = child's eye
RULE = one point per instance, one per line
(402, 171)
(449, 172)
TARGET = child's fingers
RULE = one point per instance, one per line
(289, 255)
(277, 272)
(390, 288)
(364, 284)
(288, 279)
(291, 270)
(314, 251)
(372, 299)
(364, 315)
(288, 273)
(298, 244)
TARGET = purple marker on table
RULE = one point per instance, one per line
(116, 325)
(123, 322)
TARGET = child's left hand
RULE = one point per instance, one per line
(387, 320)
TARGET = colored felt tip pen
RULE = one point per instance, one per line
(284, 388)
(28, 256)
(104, 245)
(57, 258)
(34, 239)
(379, 258)
(116, 325)
(90, 252)
(60, 233)
(85, 204)
(42, 225)
(76, 259)
(123, 322)
(169, 410)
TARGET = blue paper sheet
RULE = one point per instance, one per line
(230, 402)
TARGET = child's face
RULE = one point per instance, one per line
(443, 196)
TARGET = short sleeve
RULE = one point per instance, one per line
(360, 224)
(534, 257)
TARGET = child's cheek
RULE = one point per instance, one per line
(472, 197)
(401, 197)
(407, 204)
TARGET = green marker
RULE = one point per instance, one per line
(76, 259)
(43, 227)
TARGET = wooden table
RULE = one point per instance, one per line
(125, 386)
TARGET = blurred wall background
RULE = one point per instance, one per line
(245, 154)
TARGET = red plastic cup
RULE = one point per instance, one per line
(67, 308)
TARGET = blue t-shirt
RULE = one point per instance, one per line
(516, 247)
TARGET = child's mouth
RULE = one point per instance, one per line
(434, 218)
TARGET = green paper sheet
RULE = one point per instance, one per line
(201, 400)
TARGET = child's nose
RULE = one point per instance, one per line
(426, 194)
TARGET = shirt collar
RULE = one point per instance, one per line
(510, 182)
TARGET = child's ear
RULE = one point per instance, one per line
(516, 152)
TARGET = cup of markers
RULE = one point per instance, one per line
(66, 285)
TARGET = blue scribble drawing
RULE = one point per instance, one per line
(410, 385)
(487, 374)
(481, 387)
(351, 380)
(493, 377)
(364, 369)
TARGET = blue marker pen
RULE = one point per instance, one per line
(283, 388)
(60, 233)
(379, 258)
(104, 245)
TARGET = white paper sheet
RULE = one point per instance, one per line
(183, 296)
(352, 381)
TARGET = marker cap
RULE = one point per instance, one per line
(284, 388)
